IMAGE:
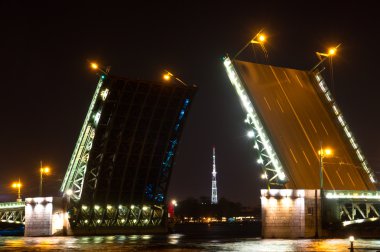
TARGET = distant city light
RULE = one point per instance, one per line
(262, 38)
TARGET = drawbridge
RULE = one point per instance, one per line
(119, 172)
(291, 115)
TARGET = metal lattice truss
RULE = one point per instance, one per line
(164, 176)
(351, 213)
(83, 216)
(268, 158)
(12, 212)
(329, 98)
(73, 182)
(355, 206)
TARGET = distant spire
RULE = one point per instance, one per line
(214, 190)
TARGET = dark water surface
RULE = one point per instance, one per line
(200, 237)
(176, 242)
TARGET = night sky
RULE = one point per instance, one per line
(47, 85)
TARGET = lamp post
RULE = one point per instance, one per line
(259, 39)
(322, 154)
(95, 66)
(18, 185)
(171, 211)
(43, 171)
(168, 76)
(323, 56)
(352, 239)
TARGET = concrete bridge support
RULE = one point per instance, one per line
(290, 213)
(46, 216)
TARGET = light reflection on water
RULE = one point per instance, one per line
(178, 242)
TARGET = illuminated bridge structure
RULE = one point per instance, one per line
(12, 212)
(291, 116)
(119, 172)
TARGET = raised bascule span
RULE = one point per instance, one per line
(120, 169)
(291, 117)
(119, 172)
(292, 114)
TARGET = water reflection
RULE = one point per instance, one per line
(178, 242)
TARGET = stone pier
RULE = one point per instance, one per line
(46, 216)
(290, 213)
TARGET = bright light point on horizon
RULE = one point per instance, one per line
(262, 38)
(166, 77)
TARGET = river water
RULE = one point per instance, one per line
(186, 237)
(178, 242)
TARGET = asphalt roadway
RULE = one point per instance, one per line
(299, 121)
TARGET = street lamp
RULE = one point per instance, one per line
(260, 38)
(95, 66)
(352, 239)
(171, 207)
(322, 154)
(174, 203)
(168, 76)
(18, 185)
(43, 171)
(323, 56)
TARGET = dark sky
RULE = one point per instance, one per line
(47, 86)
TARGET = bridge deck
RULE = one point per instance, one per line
(298, 121)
